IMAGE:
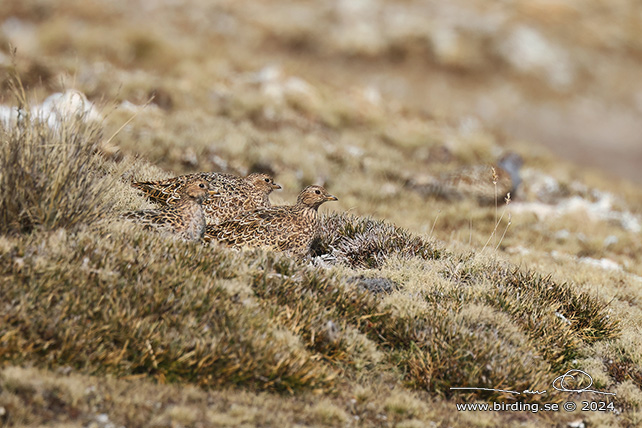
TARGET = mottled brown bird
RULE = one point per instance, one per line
(483, 183)
(184, 217)
(229, 194)
(288, 228)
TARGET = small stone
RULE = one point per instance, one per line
(374, 285)
(610, 240)
(562, 235)
(577, 424)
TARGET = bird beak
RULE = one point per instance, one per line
(331, 198)
(276, 186)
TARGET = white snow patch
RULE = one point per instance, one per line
(601, 209)
(130, 107)
(55, 109)
(527, 50)
(606, 264)
(518, 249)
(65, 105)
(8, 115)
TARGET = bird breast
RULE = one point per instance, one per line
(195, 222)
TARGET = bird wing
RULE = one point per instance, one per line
(161, 191)
(258, 227)
(168, 191)
(154, 219)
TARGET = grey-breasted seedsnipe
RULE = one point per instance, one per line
(229, 194)
(184, 217)
(288, 228)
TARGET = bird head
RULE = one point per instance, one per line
(314, 196)
(198, 189)
(263, 182)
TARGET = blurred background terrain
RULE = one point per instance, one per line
(562, 73)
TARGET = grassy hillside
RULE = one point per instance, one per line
(404, 296)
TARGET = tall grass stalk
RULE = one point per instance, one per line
(50, 176)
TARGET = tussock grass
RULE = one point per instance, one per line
(133, 304)
(462, 338)
(556, 317)
(50, 177)
(445, 346)
(366, 242)
(106, 297)
(318, 308)
(587, 314)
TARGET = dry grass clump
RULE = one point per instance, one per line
(487, 313)
(623, 369)
(586, 314)
(493, 325)
(557, 317)
(318, 308)
(366, 242)
(36, 397)
(50, 175)
(134, 304)
(442, 347)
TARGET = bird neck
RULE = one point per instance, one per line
(186, 200)
(301, 206)
(266, 199)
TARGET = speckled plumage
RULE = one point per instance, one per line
(288, 228)
(184, 218)
(229, 194)
(475, 182)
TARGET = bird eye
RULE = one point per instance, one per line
(318, 192)
(202, 186)
(267, 180)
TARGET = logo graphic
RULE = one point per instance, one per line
(560, 384)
